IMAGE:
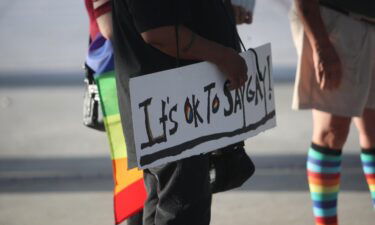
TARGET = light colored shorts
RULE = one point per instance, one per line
(354, 41)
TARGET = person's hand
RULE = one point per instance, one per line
(242, 15)
(234, 67)
(327, 66)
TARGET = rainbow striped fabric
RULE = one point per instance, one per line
(129, 190)
(323, 172)
(368, 162)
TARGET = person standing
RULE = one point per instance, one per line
(101, 65)
(151, 36)
(335, 41)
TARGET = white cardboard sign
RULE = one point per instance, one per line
(188, 111)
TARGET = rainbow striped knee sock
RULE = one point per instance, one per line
(323, 172)
(368, 163)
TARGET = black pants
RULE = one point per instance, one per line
(136, 219)
(178, 193)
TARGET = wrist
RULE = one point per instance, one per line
(222, 54)
(322, 44)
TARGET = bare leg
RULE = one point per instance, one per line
(329, 130)
(324, 164)
(366, 128)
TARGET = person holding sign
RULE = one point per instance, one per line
(152, 36)
(335, 41)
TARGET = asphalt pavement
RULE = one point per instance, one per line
(53, 170)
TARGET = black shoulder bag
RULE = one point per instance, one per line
(92, 115)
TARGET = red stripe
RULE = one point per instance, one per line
(103, 9)
(129, 201)
(326, 220)
(370, 176)
(324, 175)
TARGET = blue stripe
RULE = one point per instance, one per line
(100, 56)
(324, 162)
(325, 204)
(369, 170)
(325, 212)
(315, 168)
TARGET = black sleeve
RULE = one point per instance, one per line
(150, 14)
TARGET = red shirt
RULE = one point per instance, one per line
(94, 14)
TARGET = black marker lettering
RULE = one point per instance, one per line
(174, 129)
(195, 111)
(228, 112)
(258, 90)
(269, 77)
(250, 94)
(151, 139)
(208, 90)
(242, 89)
(163, 119)
(237, 100)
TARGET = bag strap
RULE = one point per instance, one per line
(176, 26)
(177, 47)
(237, 36)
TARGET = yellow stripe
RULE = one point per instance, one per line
(322, 189)
(116, 136)
(123, 176)
(372, 187)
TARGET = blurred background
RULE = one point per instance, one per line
(53, 170)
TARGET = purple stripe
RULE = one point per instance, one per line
(323, 163)
(100, 57)
(369, 164)
(325, 205)
(97, 42)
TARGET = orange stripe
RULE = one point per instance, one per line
(324, 182)
(370, 180)
(129, 201)
(124, 177)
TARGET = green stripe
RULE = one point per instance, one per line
(116, 137)
(367, 158)
(320, 156)
(323, 197)
(108, 98)
(108, 93)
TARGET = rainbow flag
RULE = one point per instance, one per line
(129, 190)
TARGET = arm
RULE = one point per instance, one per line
(326, 60)
(194, 47)
(242, 15)
(242, 10)
(104, 20)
